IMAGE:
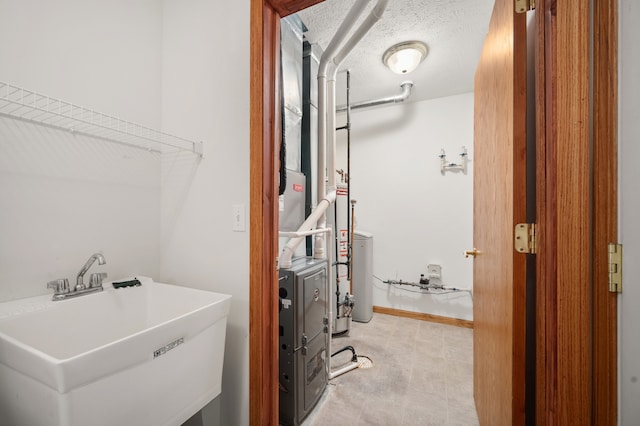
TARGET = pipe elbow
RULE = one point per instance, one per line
(285, 258)
(406, 91)
(318, 252)
(331, 196)
(379, 8)
(403, 96)
(322, 68)
(407, 85)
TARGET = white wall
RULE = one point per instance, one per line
(416, 215)
(65, 197)
(629, 199)
(205, 88)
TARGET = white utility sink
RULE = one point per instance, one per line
(145, 355)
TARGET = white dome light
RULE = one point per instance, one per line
(405, 57)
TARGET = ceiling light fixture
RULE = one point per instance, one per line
(405, 57)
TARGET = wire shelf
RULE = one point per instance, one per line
(22, 104)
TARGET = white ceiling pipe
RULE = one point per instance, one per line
(325, 61)
(373, 17)
(293, 234)
(406, 92)
(330, 62)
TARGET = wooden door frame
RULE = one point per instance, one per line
(264, 126)
(563, 357)
(605, 208)
(263, 342)
(576, 213)
(562, 302)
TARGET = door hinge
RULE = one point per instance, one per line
(523, 6)
(526, 238)
(615, 268)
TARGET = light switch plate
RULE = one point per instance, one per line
(238, 220)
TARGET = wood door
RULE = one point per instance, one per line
(500, 203)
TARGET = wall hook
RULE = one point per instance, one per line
(454, 167)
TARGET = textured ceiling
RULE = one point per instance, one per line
(453, 30)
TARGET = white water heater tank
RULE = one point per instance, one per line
(362, 277)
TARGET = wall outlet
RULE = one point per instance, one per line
(238, 219)
(434, 270)
(434, 274)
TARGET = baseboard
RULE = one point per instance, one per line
(424, 317)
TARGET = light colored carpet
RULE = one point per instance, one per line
(422, 374)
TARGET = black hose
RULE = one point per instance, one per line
(354, 357)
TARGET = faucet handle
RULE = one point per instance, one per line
(59, 286)
(96, 279)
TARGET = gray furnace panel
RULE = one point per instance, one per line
(303, 338)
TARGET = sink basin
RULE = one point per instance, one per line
(145, 355)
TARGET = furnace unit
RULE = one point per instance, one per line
(303, 338)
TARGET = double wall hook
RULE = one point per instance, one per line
(454, 167)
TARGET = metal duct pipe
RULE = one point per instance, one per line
(406, 92)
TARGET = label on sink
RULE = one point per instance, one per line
(20, 307)
(166, 348)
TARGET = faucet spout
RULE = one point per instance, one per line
(80, 279)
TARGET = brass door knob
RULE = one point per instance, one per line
(473, 252)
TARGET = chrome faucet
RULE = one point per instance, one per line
(61, 286)
(80, 279)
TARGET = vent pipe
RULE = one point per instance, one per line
(406, 92)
